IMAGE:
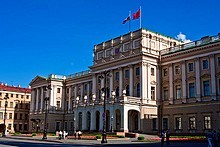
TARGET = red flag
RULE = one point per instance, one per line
(136, 15)
(126, 19)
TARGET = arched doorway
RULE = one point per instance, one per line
(88, 122)
(133, 120)
(118, 119)
(97, 116)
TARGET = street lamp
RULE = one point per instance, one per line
(46, 99)
(104, 76)
(6, 104)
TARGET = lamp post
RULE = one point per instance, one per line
(46, 99)
(104, 76)
(6, 104)
(113, 101)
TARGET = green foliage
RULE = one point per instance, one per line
(140, 138)
(120, 136)
(16, 133)
(187, 136)
(34, 134)
(98, 136)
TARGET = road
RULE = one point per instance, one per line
(8, 142)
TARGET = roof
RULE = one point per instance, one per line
(14, 89)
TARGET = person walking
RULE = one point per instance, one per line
(167, 137)
(215, 139)
(209, 136)
(162, 137)
(60, 135)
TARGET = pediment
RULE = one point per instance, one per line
(178, 81)
(205, 76)
(37, 79)
(191, 78)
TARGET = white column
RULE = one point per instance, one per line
(37, 98)
(42, 99)
(54, 98)
(184, 91)
(171, 83)
(51, 95)
(120, 81)
(94, 84)
(124, 119)
(87, 92)
(63, 99)
(143, 82)
(148, 75)
(76, 88)
(82, 95)
(32, 107)
(111, 82)
(158, 87)
(198, 82)
(69, 104)
(213, 80)
(131, 80)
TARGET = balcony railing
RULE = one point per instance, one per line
(79, 74)
(203, 41)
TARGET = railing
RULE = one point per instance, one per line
(203, 41)
(53, 76)
(79, 74)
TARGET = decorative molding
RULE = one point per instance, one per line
(191, 78)
(205, 76)
(178, 80)
(153, 83)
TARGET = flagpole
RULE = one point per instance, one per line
(129, 26)
(140, 17)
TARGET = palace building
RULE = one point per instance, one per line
(144, 80)
(14, 108)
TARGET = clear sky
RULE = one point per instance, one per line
(40, 37)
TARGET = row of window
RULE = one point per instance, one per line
(9, 116)
(190, 68)
(191, 90)
(11, 105)
(16, 95)
(178, 122)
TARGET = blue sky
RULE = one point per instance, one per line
(40, 37)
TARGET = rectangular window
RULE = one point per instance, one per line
(71, 126)
(165, 123)
(27, 96)
(154, 122)
(191, 67)
(65, 125)
(117, 76)
(207, 122)
(205, 64)
(22, 96)
(191, 89)
(165, 72)
(57, 126)
(152, 93)
(165, 94)
(137, 43)
(15, 127)
(25, 127)
(126, 73)
(10, 115)
(26, 116)
(15, 116)
(152, 72)
(177, 70)
(20, 126)
(100, 55)
(20, 116)
(178, 92)
(192, 122)
(16, 95)
(58, 90)
(178, 123)
(206, 88)
(0, 104)
(137, 71)
(0, 94)
(11, 95)
(108, 52)
(218, 61)
(11, 104)
(1, 115)
(126, 47)
(9, 126)
(58, 104)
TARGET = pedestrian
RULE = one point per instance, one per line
(79, 134)
(60, 135)
(167, 137)
(209, 136)
(75, 134)
(162, 137)
(215, 139)
(64, 133)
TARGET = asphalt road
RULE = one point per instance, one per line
(5, 142)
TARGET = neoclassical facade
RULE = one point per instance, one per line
(143, 78)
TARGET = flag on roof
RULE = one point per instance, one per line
(126, 19)
(136, 15)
